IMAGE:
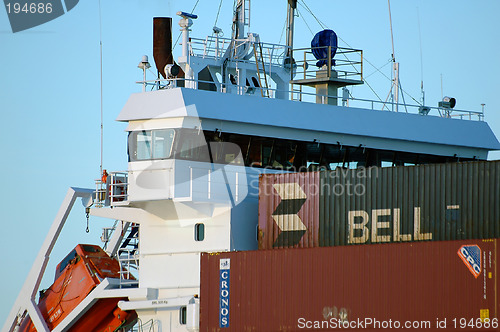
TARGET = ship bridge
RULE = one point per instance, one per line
(179, 136)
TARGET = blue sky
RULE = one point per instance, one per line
(50, 91)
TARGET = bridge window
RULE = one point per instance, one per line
(257, 151)
(144, 147)
(151, 144)
(226, 153)
(191, 145)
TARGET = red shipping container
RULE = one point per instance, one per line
(436, 285)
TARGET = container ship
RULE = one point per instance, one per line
(301, 208)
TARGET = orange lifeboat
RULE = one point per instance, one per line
(76, 276)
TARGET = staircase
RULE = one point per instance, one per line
(122, 241)
(128, 257)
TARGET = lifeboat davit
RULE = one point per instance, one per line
(76, 276)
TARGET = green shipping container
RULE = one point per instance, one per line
(437, 202)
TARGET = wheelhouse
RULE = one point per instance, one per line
(265, 152)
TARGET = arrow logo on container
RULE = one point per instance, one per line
(286, 214)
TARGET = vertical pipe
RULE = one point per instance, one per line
(185, 23)
(361, 64)
(329, 61)
(185, 40)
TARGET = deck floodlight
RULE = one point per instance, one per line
(448, 102)
(172, 70)
(424, 110)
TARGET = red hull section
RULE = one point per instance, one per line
(76, 276)
(428, 284)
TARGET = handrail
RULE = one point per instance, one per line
(348, 63)
(272, 53)
(115, 189)
(160, 84)
(118, 187)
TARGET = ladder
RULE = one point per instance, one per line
(128, 256)
(246, 13)
(261, 68)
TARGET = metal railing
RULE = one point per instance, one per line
(118, 186)
(100, 193)
(171, 83)
(378, 105)
(215, 48)
(129, 263)
(346, 64)
(113, 191)
(304, 95)
(419, 109)
(128, 253)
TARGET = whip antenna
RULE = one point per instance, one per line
(395, 65)
(421, 60)
(102, 121)
(395, 86)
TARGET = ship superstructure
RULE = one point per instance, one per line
(225, 112)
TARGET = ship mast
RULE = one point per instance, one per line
(292, 5)
(241, 18)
